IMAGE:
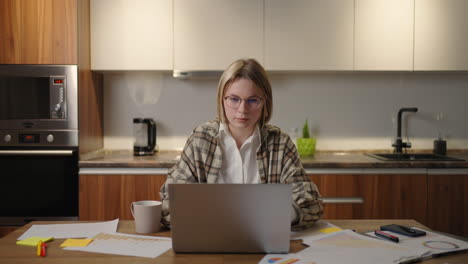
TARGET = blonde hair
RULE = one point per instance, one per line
(251, 70)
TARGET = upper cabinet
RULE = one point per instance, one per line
(384, 35)
(211, 34)
(38, 32)
(309, 34)
(441, 35)
(131, 35)
(206, 35)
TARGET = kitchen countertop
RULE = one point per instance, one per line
(322, 159)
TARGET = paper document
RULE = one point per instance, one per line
(127, 245)
(284, 259)
(433, 242)
(349, 246)
(319, 228)
(70, 230)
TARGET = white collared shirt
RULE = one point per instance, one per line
(239, 165)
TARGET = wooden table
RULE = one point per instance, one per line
(12, 253)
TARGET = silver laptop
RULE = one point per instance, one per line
(230, 218)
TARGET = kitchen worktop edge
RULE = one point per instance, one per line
(105, 158)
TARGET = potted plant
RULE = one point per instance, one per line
(306, 144)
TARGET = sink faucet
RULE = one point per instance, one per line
(399, 144)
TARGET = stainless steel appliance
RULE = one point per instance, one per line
(38, 143)
(144, 132)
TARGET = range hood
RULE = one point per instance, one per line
(179, 74)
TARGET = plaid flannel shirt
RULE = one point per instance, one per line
(278, 162)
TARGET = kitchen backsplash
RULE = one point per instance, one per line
(346, 111)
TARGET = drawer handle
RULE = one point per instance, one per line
(342, 200)
(36, 152)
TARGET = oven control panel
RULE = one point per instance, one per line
(57, 97)
(28, 138)
(9, 138)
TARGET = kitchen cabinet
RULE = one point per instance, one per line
(46, 32)
(211, 34)
(398, 195)
(384, 35)
(448, 200)
(342, 186)
(309, 35)
(387, 194)
(108, 196)
(131, 35)
(441, 35)
(38, 32)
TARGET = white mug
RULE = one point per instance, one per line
(147, 215)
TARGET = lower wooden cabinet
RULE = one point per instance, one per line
(385, 196)
(106, 197)
(437, 198)
(396, 196)
(340, 186)
(448, 201)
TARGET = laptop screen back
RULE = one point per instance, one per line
(230, 218)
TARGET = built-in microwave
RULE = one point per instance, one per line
(38, 105)
(38, 143)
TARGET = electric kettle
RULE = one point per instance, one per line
(144, 132)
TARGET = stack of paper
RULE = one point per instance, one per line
(346, 246)
(128, 245)
(70, 230)
(102, 238)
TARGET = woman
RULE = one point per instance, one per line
(241, 147)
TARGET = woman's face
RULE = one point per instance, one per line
(247, 113)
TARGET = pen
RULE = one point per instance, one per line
(38, 248)
(386, 236)
(43, 249)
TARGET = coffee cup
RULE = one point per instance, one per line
(147, 215)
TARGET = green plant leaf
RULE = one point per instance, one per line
(305, 130)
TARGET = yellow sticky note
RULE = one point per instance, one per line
(32, 241)
(330, 230)
(75, 242)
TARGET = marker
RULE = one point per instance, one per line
(43, 249)
(386, 236)
(38, 248)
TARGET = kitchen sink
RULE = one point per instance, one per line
(412, 157)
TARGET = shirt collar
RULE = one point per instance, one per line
(224, 131)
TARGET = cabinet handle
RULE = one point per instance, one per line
(342, 200)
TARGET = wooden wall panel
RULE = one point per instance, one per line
(49, 32)
(38, 32)
(91, 113)
(10, 32)
(90, 93)
(106, 197)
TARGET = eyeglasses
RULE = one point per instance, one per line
(234, 102)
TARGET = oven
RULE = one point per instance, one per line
(38, 143)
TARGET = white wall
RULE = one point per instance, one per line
(345, 110)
